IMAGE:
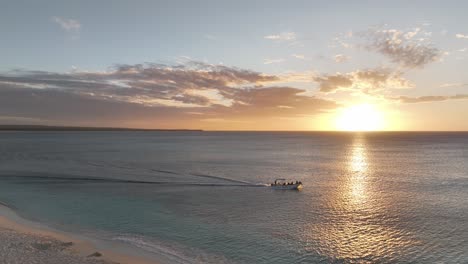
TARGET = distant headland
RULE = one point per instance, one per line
(78, 128)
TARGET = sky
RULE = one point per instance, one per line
(235, 65)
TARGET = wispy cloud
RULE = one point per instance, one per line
(67, 24)
(288, 38)
(303, 76)
(448, 85)
(19, 120)
(340, 58)
(272, 61)
(284, 36)
(429, 98)
(343, 40)
(366, 81)
(461, 36)
(299, 56)
(411, 49)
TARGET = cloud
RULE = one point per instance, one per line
(304, 76)
(272, 61)
(11, 120)
(430, 98)
(410, 49)
(298, 56)
(285, 36)
(331, 83)
(275, 101)
(363, 80)
(61, 107)
(67, 24)
(448, 85)
(340, 58)
(342, 40)
(461, 36)
(150, 84)
(154, 95)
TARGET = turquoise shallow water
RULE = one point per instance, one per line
(197, 197)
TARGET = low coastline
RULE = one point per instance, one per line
(23, 241)
(90, 129)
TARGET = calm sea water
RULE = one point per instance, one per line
(197, 197)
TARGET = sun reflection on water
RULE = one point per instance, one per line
(358, 171)
(357, 228)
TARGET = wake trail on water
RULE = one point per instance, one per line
(219, 178)
(110, 180)
(174, 173)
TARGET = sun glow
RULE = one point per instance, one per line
(363, 117)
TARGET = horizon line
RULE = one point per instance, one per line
(10, 127)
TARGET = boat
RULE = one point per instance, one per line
(283, 184)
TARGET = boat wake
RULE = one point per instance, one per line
(220, 178)
(80, 179)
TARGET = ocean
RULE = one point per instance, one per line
(201, 197)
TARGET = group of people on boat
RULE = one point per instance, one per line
(287, 183)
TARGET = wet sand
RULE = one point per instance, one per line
(24, 242)
(16, 247)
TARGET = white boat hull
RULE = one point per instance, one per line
(287, 187)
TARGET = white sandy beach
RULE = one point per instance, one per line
(25, 242)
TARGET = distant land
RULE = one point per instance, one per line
(77, 128)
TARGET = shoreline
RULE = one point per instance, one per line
(74, 246)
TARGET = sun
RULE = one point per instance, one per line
(362, 117)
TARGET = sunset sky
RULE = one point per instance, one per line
(236, 65)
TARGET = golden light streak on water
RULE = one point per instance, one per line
(358, 230)
(358, 169)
